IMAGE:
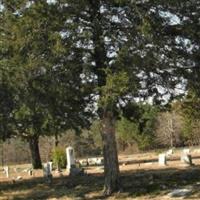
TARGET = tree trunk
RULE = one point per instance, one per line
(56, 140)
(35, 153)
(111, 165)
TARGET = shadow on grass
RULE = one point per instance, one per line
(134, 184)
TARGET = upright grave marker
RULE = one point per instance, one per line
(47, 172)
(70, 158)
(6, 170)
(162, 159)
(186, 158)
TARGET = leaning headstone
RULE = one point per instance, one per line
(47, 172)
(162, 159)
(70, 158)
(186, 159)
(6, 170)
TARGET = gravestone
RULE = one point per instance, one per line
(83, 162)
(169, 152)
(162, 159)
(70, 158)
(47, 172)
(51, 166)
(6, 170)
(186, 159)
(92, 161)
(99, 161)
(186, 151)
(30, 172)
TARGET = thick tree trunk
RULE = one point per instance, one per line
(35, 153)
(111, 165)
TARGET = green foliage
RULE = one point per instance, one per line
(59, 157)
(190, 110)
(138, 125)
(127, 131)
(116, 86)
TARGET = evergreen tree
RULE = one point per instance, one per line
(50, 95)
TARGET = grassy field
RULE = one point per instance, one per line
(143, 181)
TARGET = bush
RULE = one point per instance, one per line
(59, 158)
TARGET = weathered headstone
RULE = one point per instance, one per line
(162, 159)
(51, 166)
(6, 170)
(186, 159)
(83, 162)
(99, 161)
(169, 152)
(92, 161)
(180, 193)
(47, 172)
(70, 158)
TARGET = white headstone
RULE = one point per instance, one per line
(99, 161)
(70, 157)
(186, 159)
(169, 152)
(162, 159)
(6, 170)
(51, 166)
(186, 151)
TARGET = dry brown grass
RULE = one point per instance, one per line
(140, 181)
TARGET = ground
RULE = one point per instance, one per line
(141, 179)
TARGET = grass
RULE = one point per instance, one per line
(139, 181)
(141, 184)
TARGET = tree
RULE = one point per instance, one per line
(50, 96)
(137, 124)
(191, 118)
(124, 56)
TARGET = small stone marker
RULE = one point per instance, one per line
(186, 159)
(99, 161)
(6, 170)
(83, 162)
(47, 172)
(30, 172)
(162, 159)
(169, 152)
(70, 158)
(180, 192)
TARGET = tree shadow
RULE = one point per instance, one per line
(134, 184)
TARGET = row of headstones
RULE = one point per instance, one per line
(91, 162)
(71, 166)
(6, 170)
(47, 167)
(186, 157)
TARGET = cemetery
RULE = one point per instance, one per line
(145, 176)
(99, 99)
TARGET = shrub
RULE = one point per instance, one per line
(59, 158)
